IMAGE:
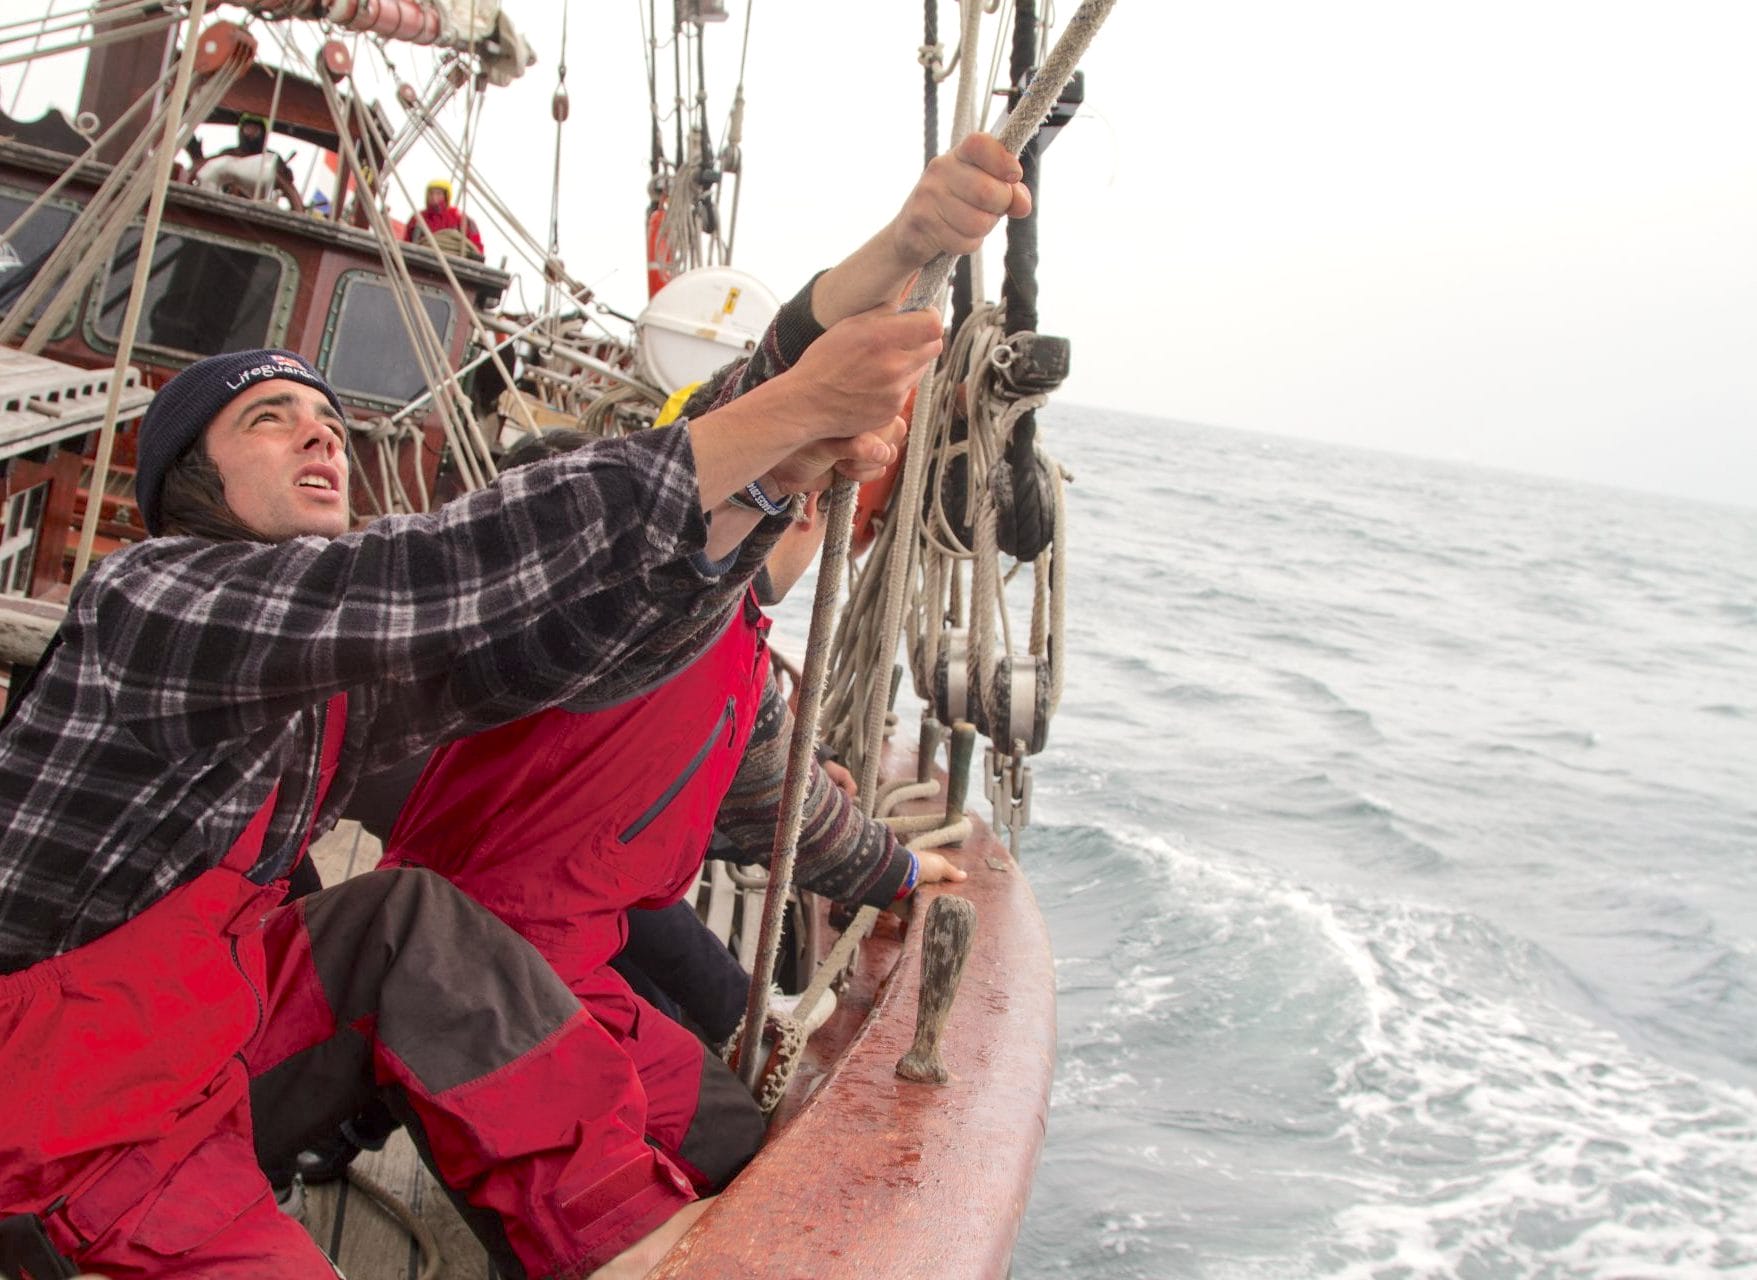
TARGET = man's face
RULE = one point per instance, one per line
(279, 447)
(250, 136)
(435, 199)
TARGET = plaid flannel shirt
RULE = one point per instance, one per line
(191, 676)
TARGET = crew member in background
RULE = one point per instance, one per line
(440, 214)
(247, 168)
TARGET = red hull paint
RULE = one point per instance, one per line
(874, 1176)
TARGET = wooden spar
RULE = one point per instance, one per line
(137, 294)
(409, 20)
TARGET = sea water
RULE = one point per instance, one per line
(1397, 836)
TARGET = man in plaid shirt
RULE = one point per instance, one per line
(205, 708)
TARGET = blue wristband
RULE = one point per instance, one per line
(909, 877)
(753, 497)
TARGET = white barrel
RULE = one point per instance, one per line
(702, 320)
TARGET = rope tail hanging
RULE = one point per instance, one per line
(1013, 133)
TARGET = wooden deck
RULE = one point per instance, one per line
(362, 1237)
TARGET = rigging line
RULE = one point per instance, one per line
(97, 41)
(701, 87)
(479, 107)
(558, 109)
(805, 722)
(930, 106)
(649, 20)
(88, 244)
(994, 74)
(1013, 133)
(472, 122)
(677, 65)
(36, 43)
(423, 341)
(734, 141)
(560, 112)
(497, 213)
(290, 52)
(468, 308)
(274, 105)
(72, 171)
(49, 24)
(744, 48)
(161, 181)
(441, 88)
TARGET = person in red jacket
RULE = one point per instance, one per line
(439, 214)
(204, 710)
(564, 821)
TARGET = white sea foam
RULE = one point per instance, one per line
(1487, 1131)
(1526, 1136)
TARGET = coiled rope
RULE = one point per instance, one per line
(1014, 132)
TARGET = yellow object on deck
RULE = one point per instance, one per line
(674, 406)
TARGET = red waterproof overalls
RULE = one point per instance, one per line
(128, 1060)
(561, 822)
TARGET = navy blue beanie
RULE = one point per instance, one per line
(184, 406)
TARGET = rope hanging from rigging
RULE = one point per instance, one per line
(1034, 105)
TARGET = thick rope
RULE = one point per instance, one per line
(800, 756)
(469, 450)
(72, 171)
(137, 296)
(1033, 107)
(86, 247)
(112, 36)
(404, 1217)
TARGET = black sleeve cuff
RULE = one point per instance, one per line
(796, 328)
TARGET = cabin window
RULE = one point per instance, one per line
(367, 351)
(204, 295)
(21, 518)
(23, 252)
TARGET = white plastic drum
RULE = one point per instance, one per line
(702, 320)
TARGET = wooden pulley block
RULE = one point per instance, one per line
(951, 682)
(219, 43)
(1018, 704)
(335, 59)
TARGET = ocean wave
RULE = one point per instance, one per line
(1309, 642)
(1521, 1137)
(1395, 847)
(1727, 709)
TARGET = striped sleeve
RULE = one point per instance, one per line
(843, 854)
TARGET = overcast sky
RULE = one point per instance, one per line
(1522, 234)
